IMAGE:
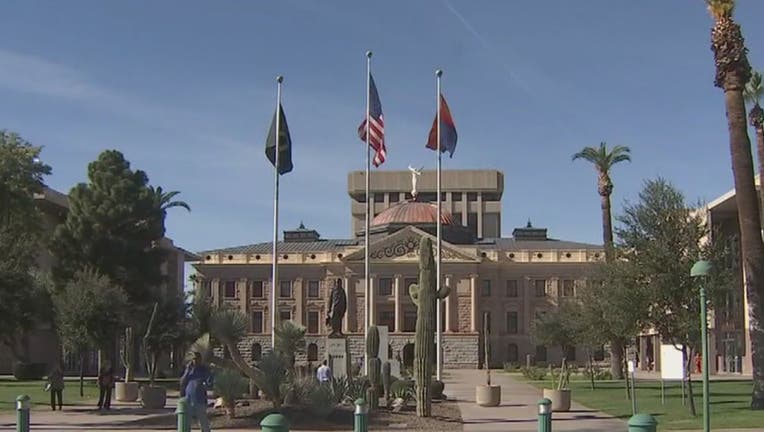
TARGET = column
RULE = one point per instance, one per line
(397, 286)
(473, 303)
(526, 290)
(299, 296)
(465, 208)
(447, 307)
(372, 300)
(242, 289)
(215, 294)
(480, 214)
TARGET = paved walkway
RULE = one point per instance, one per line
(519, 407)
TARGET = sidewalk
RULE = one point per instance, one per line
(519, 407)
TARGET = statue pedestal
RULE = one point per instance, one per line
(338, 356)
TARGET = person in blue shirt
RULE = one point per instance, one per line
(193, 386)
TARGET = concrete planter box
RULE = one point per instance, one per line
(560, 399)
(153, 397)
(488, 395)
(126, 391)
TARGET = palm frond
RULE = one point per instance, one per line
(290, 338)
(754, 89)
(720, 8)
(228, 325)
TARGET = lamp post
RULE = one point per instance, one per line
(700, 270)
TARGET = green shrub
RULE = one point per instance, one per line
(533, 373)
(340, 387)
(30, 371)
(403, 389)
(356, 389)
(511, 367)
(599, 373)
(320, 400)
(230, 386)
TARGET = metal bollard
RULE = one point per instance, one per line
(23, 403)
(643, 423)
(545, 415)
(274, 423)
(184, 423)
(361, 416)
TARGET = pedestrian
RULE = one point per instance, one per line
(56, 387)
(324, 373)
(194, 383)
(105, 384)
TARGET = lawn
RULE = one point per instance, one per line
(729, 402)
(10, 389)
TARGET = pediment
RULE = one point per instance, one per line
(403, 246)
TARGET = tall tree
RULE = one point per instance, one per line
(732, 73)
(22, 295)
(603, 160)
(753, 93)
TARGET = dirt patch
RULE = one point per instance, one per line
(445, 417)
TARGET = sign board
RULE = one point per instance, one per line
(672, 363)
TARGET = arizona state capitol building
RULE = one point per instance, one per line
(506, 281)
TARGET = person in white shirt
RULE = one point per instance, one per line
(324, 373)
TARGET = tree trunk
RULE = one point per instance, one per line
(82, 375)
(690, 397)
(616, 359)
(760, 156)
(607, 227)
(591, 368)
(752, 247)
(627, 381)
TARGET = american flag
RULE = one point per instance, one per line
(376, 125)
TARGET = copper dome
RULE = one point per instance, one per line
(413, 212)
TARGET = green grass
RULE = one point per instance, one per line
(10, 389)
(729, 403)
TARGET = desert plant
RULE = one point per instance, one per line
(402, 389)
(297, 388)
(386, 381)
(356, 389)
(340, 388)
(511, 367)
(425, 296)
(437, 389)
(290, 340)
(272, 375)
(229, 385)
(320, 400)
(560, 378)
(372, 350)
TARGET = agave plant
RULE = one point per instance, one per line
(229, 386)
(340, 387)
(321, 400)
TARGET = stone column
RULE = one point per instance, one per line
(242, 289)
(527, 292)
(480, 214)
(473, 303)
(299, 296)
(215, 294)
(372, 301)
(397, 286)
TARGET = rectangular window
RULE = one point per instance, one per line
(314, 289)
(568, 289)
(285, 289)
(472, 196)
(387, 318)
(485, 288)
(427, 196)
(257, 322)
(486, 321)
(230, 289)
(512, 322)
(456, 196)
(540, 287)
(313, 322)
(285, 315)
(512, 288)
(379, 197)
(385, 287)
(257, 289)
(472, 223)
(409, 321)
(394, 197)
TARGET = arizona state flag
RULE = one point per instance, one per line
(285, 144)
(448, 134)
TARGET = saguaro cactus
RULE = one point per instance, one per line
(372, 352)
(425, 297)
(386, 381)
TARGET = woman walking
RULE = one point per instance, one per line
(56, 387)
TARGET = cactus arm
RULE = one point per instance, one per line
(414, 293)
(444, 291)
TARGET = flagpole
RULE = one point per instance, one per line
(367, 291)
(275, 271)
(438, 308)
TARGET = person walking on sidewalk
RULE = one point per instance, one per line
(56, 387)
(105, 384)
(193, 386)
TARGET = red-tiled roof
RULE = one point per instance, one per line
(413, 212)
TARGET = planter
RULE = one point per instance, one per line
(126, 391)
(153, 397)
(488, 395)
(560, 399)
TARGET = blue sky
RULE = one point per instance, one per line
(186, 90)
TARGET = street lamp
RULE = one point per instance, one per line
(700, 270)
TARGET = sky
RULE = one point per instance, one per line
(186, 90)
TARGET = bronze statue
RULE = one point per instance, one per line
(336, 309)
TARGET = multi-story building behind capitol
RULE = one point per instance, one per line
(504, 282)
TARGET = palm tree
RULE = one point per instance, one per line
(752, 94)
(165, 200)
(603, 160)
(290, 340)
(732, 74)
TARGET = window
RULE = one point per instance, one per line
(409, 321)
(512, 353)
(385, 287)
(512, 288)
(567, 288)
(313, 289)
(456, 196)
(485, 288)
(229, 289)
(257, 322)
(285, 289)
(486, 321)
(387, 318)
(312, 352)
(379, 197)
(408, 282)
(313, 322)
(257, 289)
(540, 287)
(472, 223)
(257, 352)
(457, 218)
(471, 196)
(394, 197)
(207, 287)
(512, 322)
(285, 315)
(540, 353)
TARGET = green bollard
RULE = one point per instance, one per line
(643, 423)
(361, 416)
(545, 415)
(23, 403)
(184, 423)
(274, 423)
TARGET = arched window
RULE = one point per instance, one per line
(312, 352)
(257, 352)
(408, 355)
(512, 355)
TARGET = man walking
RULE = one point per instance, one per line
(193, 385)
(324, 373)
